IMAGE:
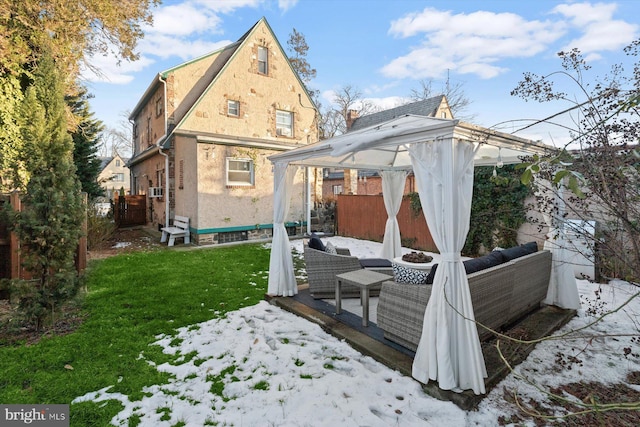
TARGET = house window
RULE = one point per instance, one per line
(117, 163)
(233, 108)
(240, 172)
(263, 64)
(337, 189)
(284, 123)
(118, 177)
(233, 236)
(159, 107)
(149, 129)
(159, 177)
(444, 115)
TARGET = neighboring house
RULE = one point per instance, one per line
(366, 182)
(114, 176)
(203, 131)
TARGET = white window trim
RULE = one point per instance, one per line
(251, 173)
(286, 130)
(236, 104)
(265, 61)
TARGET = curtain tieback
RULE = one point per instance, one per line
(450, 256)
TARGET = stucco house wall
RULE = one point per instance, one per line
(202, 135)
(109, 177)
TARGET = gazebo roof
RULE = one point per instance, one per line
(384, 146)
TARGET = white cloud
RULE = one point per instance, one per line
(286, 4)
(467, 43)
(586, 13)
(164, 46)
(380, 103)
(107, 70)
(387, 102)
(183, 30)
(600, 31)
(183, 19)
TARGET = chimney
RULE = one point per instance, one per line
(352, 115)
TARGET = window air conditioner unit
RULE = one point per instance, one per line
(155, 192)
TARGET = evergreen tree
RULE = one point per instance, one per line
(49, 224)
(86, 141)
(12, 172)
(73, 33)
(298, 49)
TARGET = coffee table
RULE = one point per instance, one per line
(363, 279)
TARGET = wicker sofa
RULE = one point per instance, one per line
(500, 295)
(322, 268)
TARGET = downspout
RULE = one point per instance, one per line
(166, 156)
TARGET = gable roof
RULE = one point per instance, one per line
(227, 55)
(211, 73)
(106, 161)
(427, 107)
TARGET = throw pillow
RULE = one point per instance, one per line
(519, 251)
(402, 274)
(531, 246)
(432, 274)
(330, 249)
(375, 262)
(477, 264)
(316, 243)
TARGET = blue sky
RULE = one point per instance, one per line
(384, 48)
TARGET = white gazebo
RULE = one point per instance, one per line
(442, 154)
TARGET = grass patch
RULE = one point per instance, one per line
(261, 385)
(131, 299)
(217, 381)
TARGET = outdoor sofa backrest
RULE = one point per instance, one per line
(500, 295)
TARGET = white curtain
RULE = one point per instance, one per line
(563, 289)
(282, 279)
(449, 350)
(392, 191)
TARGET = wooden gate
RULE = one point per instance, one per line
(130, 210)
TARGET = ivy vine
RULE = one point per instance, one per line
(497, 209)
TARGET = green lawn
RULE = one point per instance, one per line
(131, 299)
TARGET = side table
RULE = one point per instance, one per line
(363, 279)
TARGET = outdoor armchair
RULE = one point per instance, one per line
(322, 268)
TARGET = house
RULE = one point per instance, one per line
(366, 182)
(203, 131)
(114, 176)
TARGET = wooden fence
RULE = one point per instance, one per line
(10, 250)
(130, 210)
(365, 217)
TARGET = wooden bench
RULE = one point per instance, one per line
(180, 228)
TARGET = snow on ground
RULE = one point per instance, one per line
(262, 366)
